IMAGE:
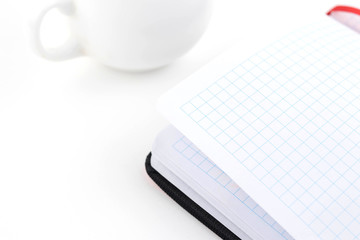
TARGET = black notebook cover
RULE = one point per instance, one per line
(188, 204)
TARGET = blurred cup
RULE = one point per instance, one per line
(132, 35)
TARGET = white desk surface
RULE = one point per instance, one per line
(74, 135)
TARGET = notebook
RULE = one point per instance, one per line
(264, 141)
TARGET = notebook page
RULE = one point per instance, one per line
(196, 170)
(284, 124)
(183, 158)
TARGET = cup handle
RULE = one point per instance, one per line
(70, 49)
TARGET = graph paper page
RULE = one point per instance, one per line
(197, 171)
(284, 125)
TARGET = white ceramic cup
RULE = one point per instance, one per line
(133, 35)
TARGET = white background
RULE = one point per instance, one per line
(74, 135)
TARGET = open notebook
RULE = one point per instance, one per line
(268, 144)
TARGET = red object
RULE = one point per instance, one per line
(344, 9)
